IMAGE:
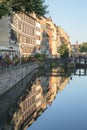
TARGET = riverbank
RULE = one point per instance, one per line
(10, 77)
(9, 98)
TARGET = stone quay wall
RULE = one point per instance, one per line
(10, 77)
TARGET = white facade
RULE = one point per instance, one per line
(5, 36)
(4, 31)
(38, 33)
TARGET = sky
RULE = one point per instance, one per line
(71, 15)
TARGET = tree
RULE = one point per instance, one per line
(64, 51)
(83, 47)
(26, 6)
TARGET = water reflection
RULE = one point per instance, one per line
(80, 72)
(35, 99)
(42, 93)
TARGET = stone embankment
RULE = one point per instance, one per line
(10, 77)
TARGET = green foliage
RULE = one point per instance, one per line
(64, 51)
(26, 6)
(40, 57)
(83, 47)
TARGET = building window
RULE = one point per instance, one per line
(13, 35)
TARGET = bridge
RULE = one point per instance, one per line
(76, 61)
(81, 61)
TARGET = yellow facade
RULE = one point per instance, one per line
(53, 38)
(63, 37)
(24, 27)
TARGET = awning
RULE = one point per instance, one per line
(3, 48)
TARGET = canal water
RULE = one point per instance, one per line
(68, 111)
(55, 101)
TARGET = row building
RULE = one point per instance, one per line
(26, 35)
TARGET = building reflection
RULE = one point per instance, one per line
(34, 101)
(59, 81)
